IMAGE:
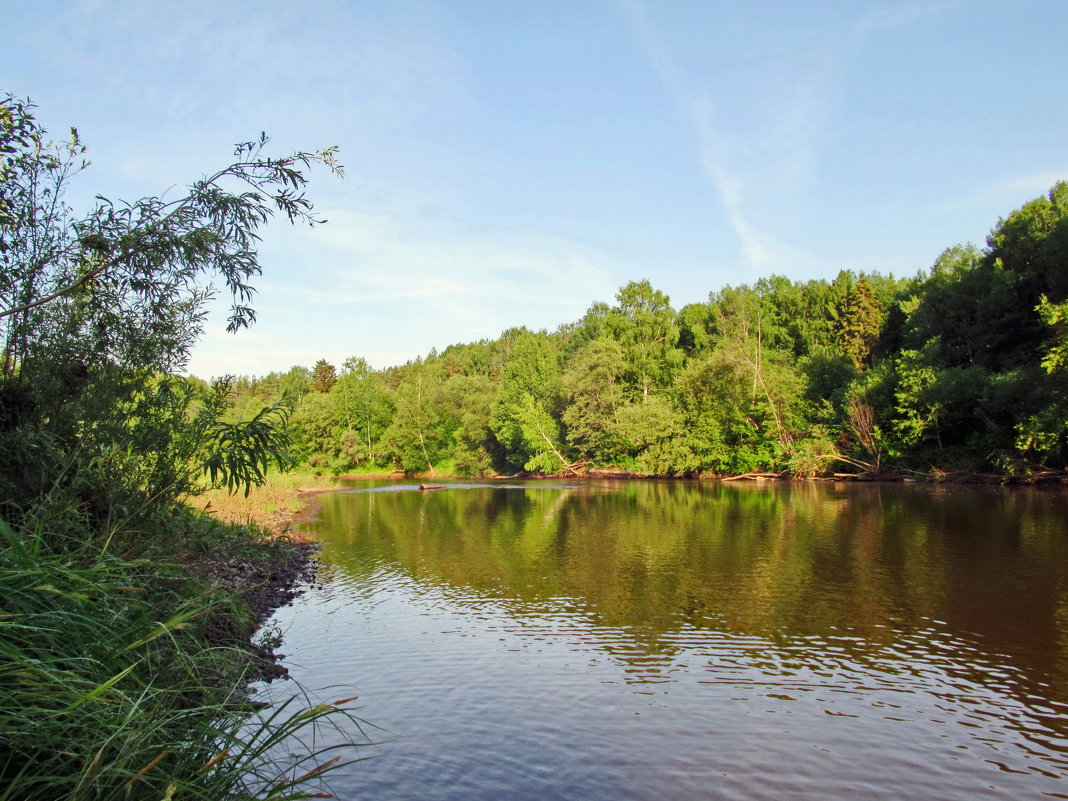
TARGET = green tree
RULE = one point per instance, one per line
(726, 429)
(525, 416)
(1031, 244)
(1055, 316)
(95, 308)
(296, 381)
(123, 281)
(593, 387)
(643, 323)
(323, 376)
(695, 329)
(656, 437)
(593, 325)
(420, 434)
(860, 323)
(777, 386)
(540, 436)
(316, 432)
(472, 397)
(917, 406)
(364, 408)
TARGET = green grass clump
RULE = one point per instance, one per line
(115, 683)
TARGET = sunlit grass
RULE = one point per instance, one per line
(270, 506)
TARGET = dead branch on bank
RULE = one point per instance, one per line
(755, 477)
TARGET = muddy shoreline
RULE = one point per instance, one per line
(265, 584)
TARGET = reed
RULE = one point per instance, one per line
(113, 681)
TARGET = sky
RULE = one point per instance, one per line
(509, 164)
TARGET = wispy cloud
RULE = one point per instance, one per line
(434, 279)
(898, 15)
(1033, 184)
(763, 113)
(787, 136)
(996, 198)
(369, 256)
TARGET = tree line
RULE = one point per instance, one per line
(958, 368)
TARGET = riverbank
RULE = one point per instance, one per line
(278, 506)
(934, 476)
(127, 658)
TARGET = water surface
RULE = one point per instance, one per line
(655, 640)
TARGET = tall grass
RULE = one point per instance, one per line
(116, 684)
(270, 506)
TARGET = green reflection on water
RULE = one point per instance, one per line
(770, 560)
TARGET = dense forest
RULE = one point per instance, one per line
(959, 368)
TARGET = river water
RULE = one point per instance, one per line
(685, 640)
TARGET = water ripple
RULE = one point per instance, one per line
(528, 658)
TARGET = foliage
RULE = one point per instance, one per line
(111, 685)
(364, 408)
(593, 385)
(644, 324)
(472, 397)
(539, 435)
(421, 430)
(654, 433)
(120, 674)
(323, 376)
(525, 414)
(98, 309)
(122, 282)
(961, 367)
(860, 323)
(240, 454)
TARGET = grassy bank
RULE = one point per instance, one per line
(123, 662)
(273, 506)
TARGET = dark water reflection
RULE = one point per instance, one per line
(680, 640)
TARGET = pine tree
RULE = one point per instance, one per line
(861, 321)
(324, 376)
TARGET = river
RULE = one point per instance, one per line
(692, 640)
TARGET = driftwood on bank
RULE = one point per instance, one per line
(582, 470)
(754, 477)
(1050, 477)
(613, 474)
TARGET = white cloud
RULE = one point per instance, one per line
(1033, 184)
(900, 15)
(391, 284)
(783, 147)
(371, 256)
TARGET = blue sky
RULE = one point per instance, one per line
(511, 163)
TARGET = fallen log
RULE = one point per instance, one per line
(431, 486)
(611, 474)
(754, 477)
